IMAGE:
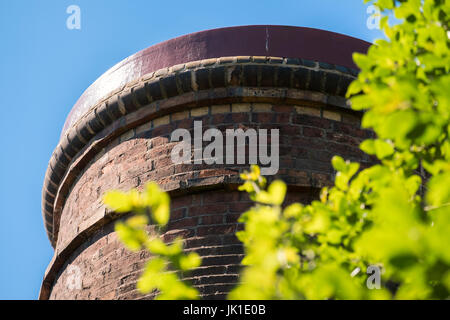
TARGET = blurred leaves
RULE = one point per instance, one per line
(380, 215)
(167, 260)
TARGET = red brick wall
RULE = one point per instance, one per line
(207, 221)
(167, 91)
(310, 135)
(124, 141)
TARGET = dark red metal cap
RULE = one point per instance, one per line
(275, 41)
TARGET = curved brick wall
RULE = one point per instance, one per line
(123, 140)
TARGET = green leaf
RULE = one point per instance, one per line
(277, 191)
(118, 201)
(439, 190)
(383, 149)
(151, 278)
(339, 164)
(274, 195)
(191, 261)
(293, 210)
(334, 236)
(137, 221)
(161, 210)
(362, 60)
(380, 148)
(131, 237)
(157, 246)
(412, 184)
(320, 223)
(354, 88)
(368, 146)
(247, 187)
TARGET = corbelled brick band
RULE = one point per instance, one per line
(123, 141)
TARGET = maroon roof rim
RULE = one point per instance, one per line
(251, 40)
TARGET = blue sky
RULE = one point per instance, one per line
(45, 67)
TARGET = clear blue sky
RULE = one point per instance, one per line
(44, 68)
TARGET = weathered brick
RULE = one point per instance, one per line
(198, 112)
(127, 135)
(312, 132)
(261, 107)
(332, 115)
(202, 79)
(241, 107)
(216, 219)
(161, 121)
(207, 209)
(301, 78)
(180, 115)
(143, 128)
(308, 110)
(183, 223)
(216, 109)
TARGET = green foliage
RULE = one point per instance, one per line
(391, 215)
(303, 252)
(153, 206)
(377, 216)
